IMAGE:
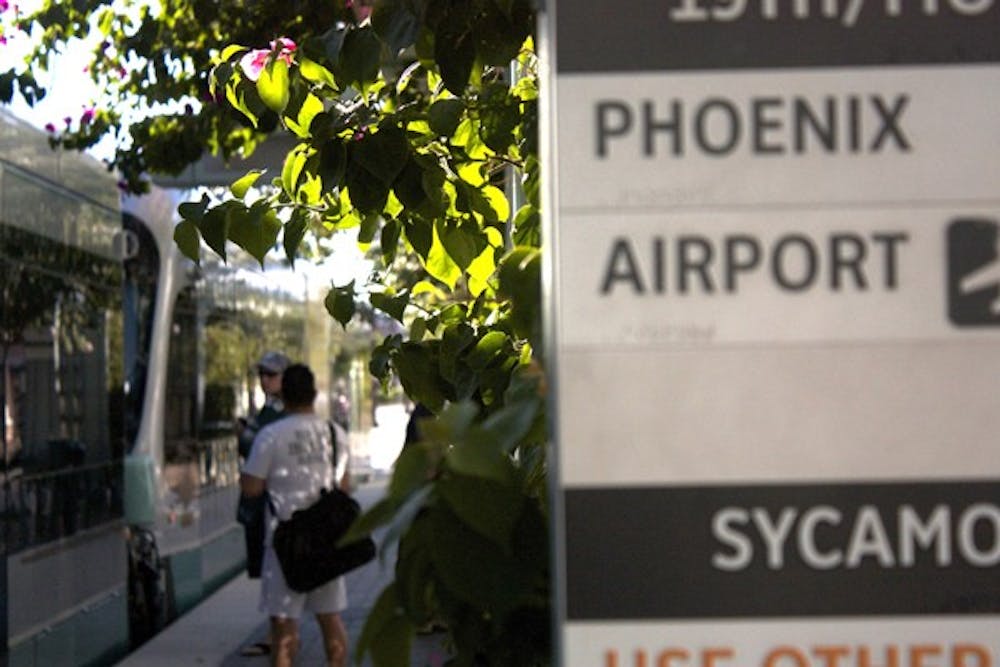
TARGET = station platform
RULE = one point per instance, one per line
(217, 630)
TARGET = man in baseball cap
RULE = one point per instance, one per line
(273, 362)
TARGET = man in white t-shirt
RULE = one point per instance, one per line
(292, 459)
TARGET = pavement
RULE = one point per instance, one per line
(214, 632)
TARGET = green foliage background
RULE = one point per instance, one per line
(416, 126)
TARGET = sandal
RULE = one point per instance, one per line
(255, 650)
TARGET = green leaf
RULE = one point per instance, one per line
(488, 507)
(497, 202)
(295, 162)
(295, 231)
(272, 85)
(368, 192)
(214, 228)
(500, 117)
(420, 235)
(360, 56)
(439, 262)
(315, 73)
(412, 470)
(408, 186)
(255, 230)
(472, 567)
(509, 425)
(381, 357)
(310, 108)
(480, 271)
(488, 347)
(194, 210)
(379, 514)
(369, 227)
(230, 51)
(394, 306)
(332, 163)
(445, 115)
(384, 154)
(340, 304)
(462, 240)
(417, 329)
(528, 227)
(310, 190)
(244, 183)
(520, 281)
(417, 369)
(188, 239)
(387, 634)
(455, 53)
(236, 95)
(389, 240)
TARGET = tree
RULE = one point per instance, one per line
(412, 126)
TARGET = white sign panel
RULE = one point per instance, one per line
(775, 283)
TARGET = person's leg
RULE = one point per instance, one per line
(334, 639)
(284, 641)
(327, 602)
(283, 606)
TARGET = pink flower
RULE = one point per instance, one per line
(49, 127)
(3, 40)
(87, 116)
(4, 5)
(253, 62)
(286, 45)
(361, 9)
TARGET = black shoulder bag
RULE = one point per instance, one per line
(306, 544)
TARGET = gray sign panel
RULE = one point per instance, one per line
(741, 34)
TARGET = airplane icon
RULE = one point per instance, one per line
(973, 274)
(985, 277)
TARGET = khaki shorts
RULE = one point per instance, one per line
(278, 600)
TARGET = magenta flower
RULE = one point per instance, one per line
(3, 40)
(50, 128)
(4, 5)
(253, 62)
(68, 121)
(361, 9)
(87, 116)
(287, 45)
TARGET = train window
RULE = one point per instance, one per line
(180, 418)
(61, 380)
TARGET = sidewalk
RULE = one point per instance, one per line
(214, 632)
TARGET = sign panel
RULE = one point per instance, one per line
(775, 278)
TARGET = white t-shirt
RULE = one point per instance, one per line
(294, 457)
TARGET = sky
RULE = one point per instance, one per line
(72, 89)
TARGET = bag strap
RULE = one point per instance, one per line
(333, 440)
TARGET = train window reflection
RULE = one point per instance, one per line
(62, 368)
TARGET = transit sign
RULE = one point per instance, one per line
(774, 286)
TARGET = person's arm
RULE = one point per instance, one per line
(251, 486)
(253, 477)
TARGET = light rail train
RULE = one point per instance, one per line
(124, 367)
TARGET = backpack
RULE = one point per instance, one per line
(306, 544)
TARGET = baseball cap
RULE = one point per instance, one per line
(275, 362)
